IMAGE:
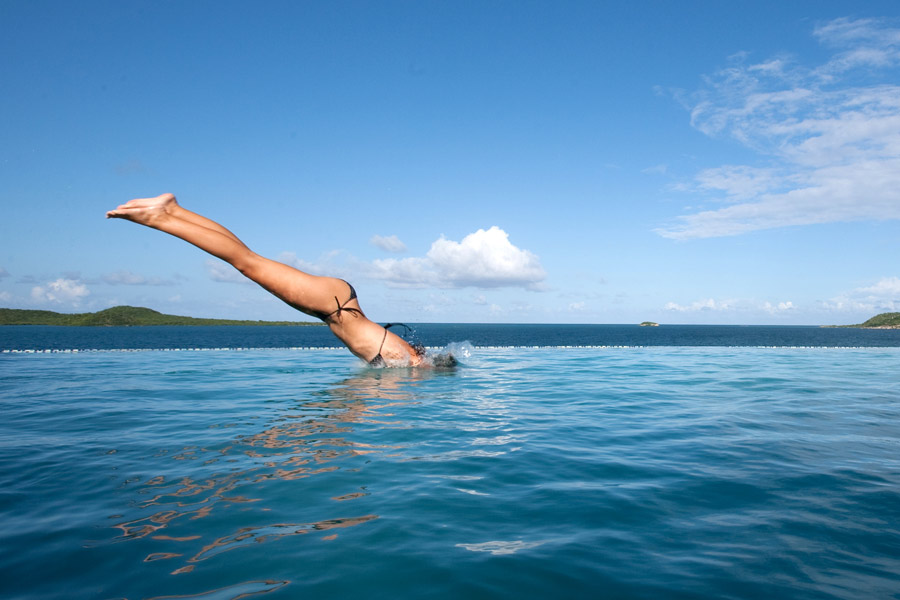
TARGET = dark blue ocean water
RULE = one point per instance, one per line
(763, 469)
(438, 335)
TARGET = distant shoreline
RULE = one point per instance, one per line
(881, 321)
(126, 316)
(136, 316)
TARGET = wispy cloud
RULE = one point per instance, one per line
(224, 273)
(125, 277)
(131, 167)
(660, 169)
(705, 305)
(830, 144)
(3, 273)
(484, 259)
(334, 263)
(709, 305)
(390, 243)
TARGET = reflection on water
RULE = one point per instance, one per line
(254, 535)
(241, 590)
(315, 436)
(500, 547)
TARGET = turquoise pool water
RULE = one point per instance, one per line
(656, 472)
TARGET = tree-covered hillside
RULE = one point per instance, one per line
(118, 316)
(882, 320)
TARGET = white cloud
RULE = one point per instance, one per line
(484, 259)
(883, 296)
(700, 306)
(125, 277)
(832, 142)
(389, 244)
(3, 273)
(61, 291)
(334, 263)
(408, 272)
(223, 272)
(738, 182)
(868, 43)
(781, 307)
(291, 258)
(5, 296)
(710, 305)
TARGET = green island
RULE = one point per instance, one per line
(119, 316)
(649, 324)
(883, 321)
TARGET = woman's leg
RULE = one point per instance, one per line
(308, 293)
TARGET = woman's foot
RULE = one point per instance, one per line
(144, 210)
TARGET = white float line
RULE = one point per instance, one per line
(334, 349)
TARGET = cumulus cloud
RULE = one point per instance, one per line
(781, 307)
(830, 135)
(484, 259)
(390, 243)
(882, 296)
(61, 291)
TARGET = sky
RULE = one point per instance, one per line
(476, 162)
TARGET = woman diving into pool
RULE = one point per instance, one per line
(332, 300)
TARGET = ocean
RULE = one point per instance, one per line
(555, 462)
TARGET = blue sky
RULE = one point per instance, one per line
(533, 162)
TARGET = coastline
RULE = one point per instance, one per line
(128, 316)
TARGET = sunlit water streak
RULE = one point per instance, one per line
(535, 473)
